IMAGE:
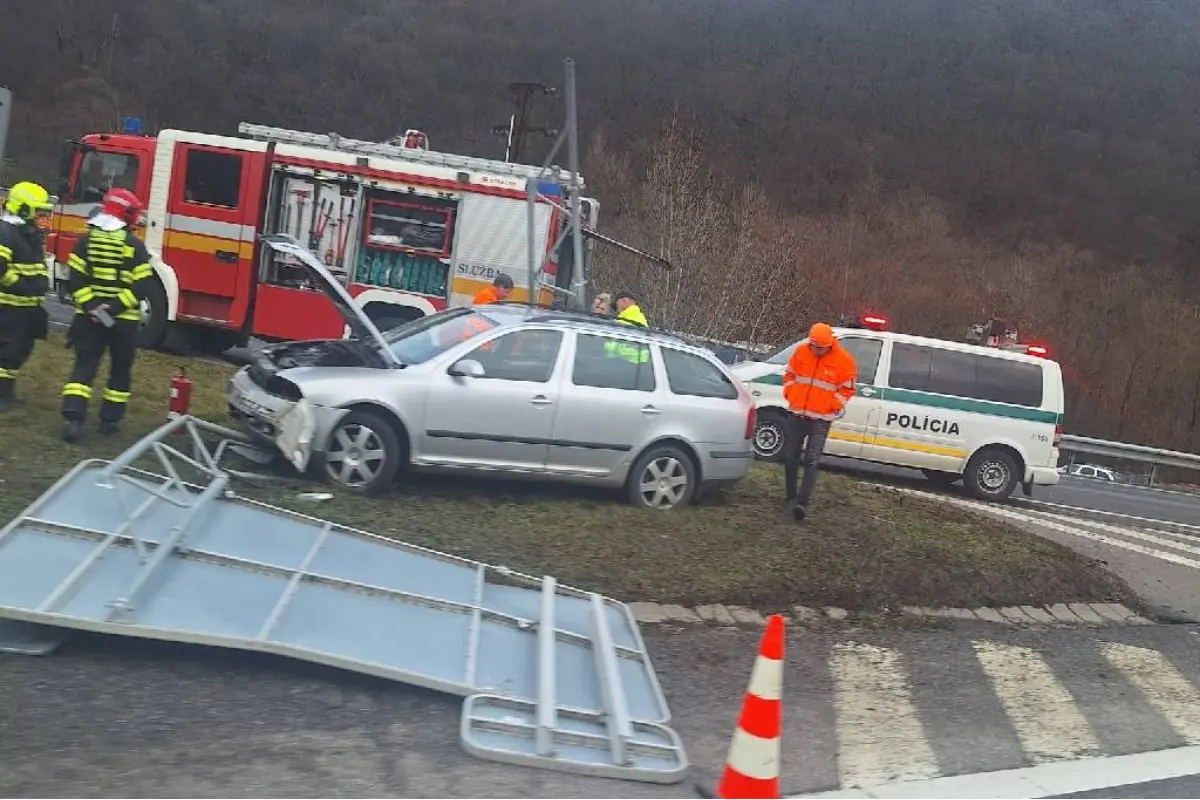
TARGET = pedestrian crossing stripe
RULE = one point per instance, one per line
(1056, 708)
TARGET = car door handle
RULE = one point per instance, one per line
(866, 391)
(650, 410)
(541, 400)
(228, 256)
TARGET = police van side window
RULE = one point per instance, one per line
(910, 367)
(1004, 380)
(866, 356)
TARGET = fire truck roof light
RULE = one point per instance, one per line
(874, 322)
(1036, 350)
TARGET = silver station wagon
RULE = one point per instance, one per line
(501, 389)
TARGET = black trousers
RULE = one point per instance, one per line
(19, 329)
(804, 436)
(91, 340)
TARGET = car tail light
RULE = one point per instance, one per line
(874, 322)
(751, 421)
(1037, 350)
(1057, 435)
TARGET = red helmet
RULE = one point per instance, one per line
(122, 204)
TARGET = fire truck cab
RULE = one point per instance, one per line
(408, 230)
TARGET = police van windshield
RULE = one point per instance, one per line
(427, 337)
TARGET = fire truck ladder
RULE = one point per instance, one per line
(554, 677)
(332, 141)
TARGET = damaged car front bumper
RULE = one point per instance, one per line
(295, 426)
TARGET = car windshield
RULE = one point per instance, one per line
(427, 337)
(782, 355)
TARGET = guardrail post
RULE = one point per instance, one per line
(1153, 474)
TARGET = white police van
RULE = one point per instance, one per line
(990, 416)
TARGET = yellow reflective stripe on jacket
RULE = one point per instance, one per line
(19, 300)
(9, 277)
(5, 252)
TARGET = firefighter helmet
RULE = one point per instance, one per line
(122, 204)
(26, 200)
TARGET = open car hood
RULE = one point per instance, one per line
(357, 320)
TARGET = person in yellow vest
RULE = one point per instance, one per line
(24, 281)
(628, 313)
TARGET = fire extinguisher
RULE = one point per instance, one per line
(181, 395)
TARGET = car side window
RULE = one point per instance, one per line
(528, 355)
(606, 362)
(865, 353)
(910, 369)
(688, 373)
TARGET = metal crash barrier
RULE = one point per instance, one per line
(554, 677)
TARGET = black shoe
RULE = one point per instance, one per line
(109, 428)
(789, 501)
(799, 513)
(72, 429)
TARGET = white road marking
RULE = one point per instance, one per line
(880, 738)
(1189, 547)
(1172, 523)
(1164, 686)
(1039, 707)
(1042, 519)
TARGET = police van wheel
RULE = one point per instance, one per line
(770, 436)
(991, 474)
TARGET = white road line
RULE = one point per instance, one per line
(1040, 518)
(1131, 533)
(1172, 523)
(879, 734)
(1166, 688)
(1042, 711)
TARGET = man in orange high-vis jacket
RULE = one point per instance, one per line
(817, 384)
(501, 288)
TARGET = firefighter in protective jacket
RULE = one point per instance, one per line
(24, 281)
(108, 275)
(817, 384)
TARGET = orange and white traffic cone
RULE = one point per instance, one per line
(752, 766)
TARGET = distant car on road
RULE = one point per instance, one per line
(499, 389)
(1089, 471)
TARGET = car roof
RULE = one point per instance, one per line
(512, 313)
(948, 344)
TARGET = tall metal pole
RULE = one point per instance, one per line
(578, 278)
(531, 191)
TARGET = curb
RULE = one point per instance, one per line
(1087, 615)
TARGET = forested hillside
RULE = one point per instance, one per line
(938, 160)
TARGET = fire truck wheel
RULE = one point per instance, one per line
(153, 329)
(363, 453)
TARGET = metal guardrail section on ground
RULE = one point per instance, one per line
(1132, 452)
(554, 677)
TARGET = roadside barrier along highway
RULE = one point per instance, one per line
(1131, 452)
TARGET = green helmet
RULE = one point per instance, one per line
(26, 199)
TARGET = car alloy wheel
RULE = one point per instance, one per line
(664, 482)
(356, 456)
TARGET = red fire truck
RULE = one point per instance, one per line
(409, 230)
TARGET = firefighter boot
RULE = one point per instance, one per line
(8, 398)
(72, 429)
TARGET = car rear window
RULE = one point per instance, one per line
(689, 374)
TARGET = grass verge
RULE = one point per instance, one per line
(863, 548)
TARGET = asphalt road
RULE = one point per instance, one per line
(111, 716)
(1105, 498)
(1188, 786)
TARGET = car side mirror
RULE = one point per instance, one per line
(467, 368)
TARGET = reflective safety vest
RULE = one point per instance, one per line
(630, 351)
(109, 267)
(24, 279)
(819, 387)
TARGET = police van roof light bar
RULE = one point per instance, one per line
(874, 322)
